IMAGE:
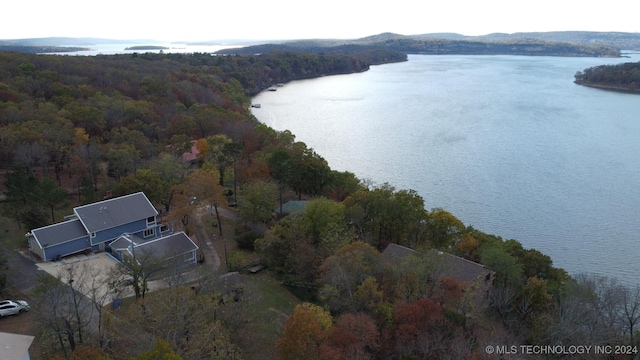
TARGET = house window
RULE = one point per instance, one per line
(164, 228)
(151, 220)
(93, 235)
(149, 232)
(188, 257)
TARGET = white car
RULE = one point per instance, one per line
(12, 307)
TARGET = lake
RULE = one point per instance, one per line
(508, 144)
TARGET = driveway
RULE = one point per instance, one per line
(96, 269)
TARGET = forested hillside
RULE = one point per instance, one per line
(621, 77)
(178, 127)
(445, 45)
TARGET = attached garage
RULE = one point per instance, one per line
(58, 240)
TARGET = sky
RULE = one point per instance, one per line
(202, 20)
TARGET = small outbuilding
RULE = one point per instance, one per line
(15, 346)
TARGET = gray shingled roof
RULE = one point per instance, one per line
(396, 253)
(165, 247)
(15, 346)
(124, 241)
(462, 269)
(59, 233)
(453, 266)
(114, 212)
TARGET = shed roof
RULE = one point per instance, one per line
(292, 206)
(59, 233)
(165, 247)
(14, 346)
(114, 212)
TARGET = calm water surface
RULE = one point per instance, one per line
(508, 144)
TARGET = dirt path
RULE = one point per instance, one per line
(210, 254)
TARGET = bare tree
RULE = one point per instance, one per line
(61, 309)
(139, 268)
(80, 306)
(99, 288)
(629, 314)
(31, 154)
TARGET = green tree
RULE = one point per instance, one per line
(220, 153)
(50, 195)
(121, 160)
(4, 269)
(161, 351)
(279, 169)
(344, 272)
(443, 229)
(322, 214)
(147, 181)
(19, 185)
(383, 215)
(342, 184)
(257, 200)
(170, 171)
(277, 245)
(508, 270)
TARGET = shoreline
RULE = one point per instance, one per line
(608, 87)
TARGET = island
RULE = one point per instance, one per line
(147, 47)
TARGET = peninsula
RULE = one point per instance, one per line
(621, 77)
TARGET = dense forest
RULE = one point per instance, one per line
(621, 77)
(76, 129)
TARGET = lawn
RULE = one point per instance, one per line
(273, 301)
(274, 304)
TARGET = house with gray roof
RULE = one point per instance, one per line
(463, 270)
(92, 227)
(176, 247)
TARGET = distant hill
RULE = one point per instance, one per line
(41, 49)
(431, 44)
(60, 44)
(63, 41)
(560, 43)
(621, 40)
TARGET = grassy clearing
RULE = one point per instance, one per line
(274, 304)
